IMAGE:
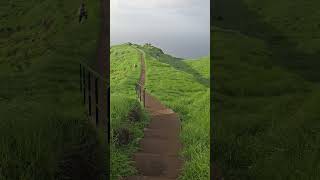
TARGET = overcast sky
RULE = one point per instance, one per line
(179, 27)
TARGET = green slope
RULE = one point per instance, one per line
(126, 112)
(183, 85)
(44, 132)
(266, 89)
(297, 20)
(289, 28)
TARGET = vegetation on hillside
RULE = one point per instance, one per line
(183, 85)
(44, 130)
(265, 90)
(127, 116)
(289, 28)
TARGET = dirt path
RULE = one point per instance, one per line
(158, 157)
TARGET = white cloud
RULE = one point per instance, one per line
(157, 3)
(160, 18)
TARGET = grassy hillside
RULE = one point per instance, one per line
(265, 90)
(127, 117)
(297, 20)
(44, 132)
(290, 30)
(183, 85)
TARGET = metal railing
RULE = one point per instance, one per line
(141, 93)
(91, 83)
(140, 89)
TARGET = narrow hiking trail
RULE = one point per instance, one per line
(158, 157)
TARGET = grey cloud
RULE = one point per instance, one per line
(181, 27)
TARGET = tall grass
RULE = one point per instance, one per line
(265, 115)
(126, 111)
(44, 132)
(289, 22)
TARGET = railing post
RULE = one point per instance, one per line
(140, 92)
(80, 78)
(96, 101)
(144, 97)
(137, 90)
(89, 92)
(108, 113)
(84, 85)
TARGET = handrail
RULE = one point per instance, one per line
(89, 86)
(140, 84)
(94, 72)
(140, 88)
(141, 93)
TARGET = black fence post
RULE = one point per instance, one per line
(144, 97)
(89, 92)
(84, 85)
(108, 113)
(137, 90)
(97, 101)
(80, 78)
(140, 92)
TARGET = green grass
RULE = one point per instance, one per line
(183, 85)
(300, 23)
(124, 76)
(266, 90)
(290, 42)
(44, 132)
